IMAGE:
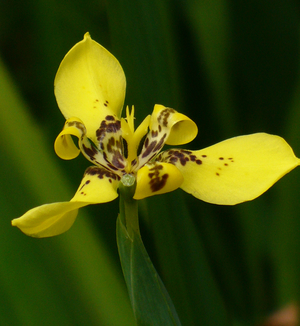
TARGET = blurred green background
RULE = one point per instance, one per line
(233, 67)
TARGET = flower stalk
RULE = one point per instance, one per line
(128, 205)
(150, 301)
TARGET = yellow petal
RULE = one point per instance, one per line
(64, 146)
(182, 129)
(97, 186)
(107, 154)
(90, 84)
(167, 126)
(235, 170)
(48, 220)
(157, 178)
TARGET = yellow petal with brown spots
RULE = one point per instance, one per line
(157, 178)
(98, 186)
(235, 170)
(180, 128)
(90, 84)
(167, 126)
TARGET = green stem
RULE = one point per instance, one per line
(129, 209)
(149, 298)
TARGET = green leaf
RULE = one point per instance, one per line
(149, 298)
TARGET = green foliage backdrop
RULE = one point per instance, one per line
(233, 67)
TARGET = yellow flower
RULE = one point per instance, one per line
(90, 90)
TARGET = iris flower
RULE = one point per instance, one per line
(90, 91)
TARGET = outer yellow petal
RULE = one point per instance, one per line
(48, 220)
(90, 84)
(235, 170)
(97, 186)
(157, 178)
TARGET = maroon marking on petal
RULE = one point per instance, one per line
(181, 155)
(86, 183)
(90, 151)
(101, 173)
(154, 133)
(164, 115)
(157, 182)
(160, 144)
(149, 149)
(109, 125)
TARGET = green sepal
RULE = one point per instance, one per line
(149, 298)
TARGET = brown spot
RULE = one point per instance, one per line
(160, 144)
(149, 149)
(86, 183)
(154, 133)
(221, 158)
(101, 173)
(90, 151)
(217, 174)
(78, 125)
(146, 143)
(164, 116)
(109, 125)
(181, 155)
(184, 151)
(157, 182)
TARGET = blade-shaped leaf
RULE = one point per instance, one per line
(150, 300)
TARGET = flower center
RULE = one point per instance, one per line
(132, 138)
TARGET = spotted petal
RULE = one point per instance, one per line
(157, 178)
(235, 170)
(106, 154)
(97, 186)
(167, 126)
(90, 84)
